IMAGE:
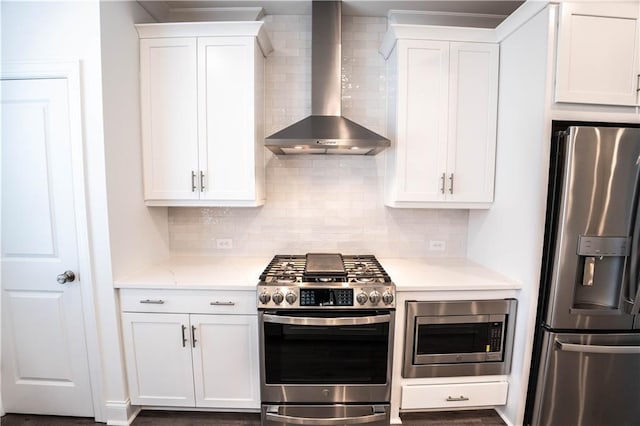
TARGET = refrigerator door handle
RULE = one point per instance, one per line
(597, 349)
(633, 291)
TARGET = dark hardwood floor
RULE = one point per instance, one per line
(189, 418)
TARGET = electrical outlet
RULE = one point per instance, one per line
(437, 245)
(224, 243)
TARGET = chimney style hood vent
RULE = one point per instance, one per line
(325, 131)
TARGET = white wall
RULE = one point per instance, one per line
(139, 235)
(322, 203)
(509, 237)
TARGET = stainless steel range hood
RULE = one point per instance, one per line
(325, 131)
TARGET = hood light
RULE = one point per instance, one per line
(355, 147)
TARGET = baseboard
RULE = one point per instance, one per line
(504, 417)
(121, 413)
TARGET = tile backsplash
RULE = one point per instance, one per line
(322, 203)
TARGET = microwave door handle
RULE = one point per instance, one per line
(328, 322)
(330, 421)
(597, 349)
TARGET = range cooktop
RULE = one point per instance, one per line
(325, 280)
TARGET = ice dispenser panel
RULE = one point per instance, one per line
(601, 271)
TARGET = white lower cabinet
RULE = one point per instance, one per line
(226, 373)
(456, 395)
(159, 367)
(191, 359)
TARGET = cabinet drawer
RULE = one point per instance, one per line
(191, 301)
(454, 395)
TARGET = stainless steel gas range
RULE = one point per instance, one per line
(326, 340)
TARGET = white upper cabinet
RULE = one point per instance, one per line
(202, 113)
(442, 118)
(597, 58)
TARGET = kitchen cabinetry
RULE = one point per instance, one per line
(191, 348)
(456, 395)
(442, 118)
(598, 58)
(202, 107)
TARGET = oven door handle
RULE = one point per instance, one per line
(329, 322)
(329, 421)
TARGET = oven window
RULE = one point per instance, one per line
(439, 339)
(296, 354)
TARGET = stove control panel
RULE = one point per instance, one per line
(270, 296)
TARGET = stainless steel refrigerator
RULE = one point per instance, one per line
(586, 360)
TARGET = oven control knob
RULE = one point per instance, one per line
(387, 297)
(374, 297)
(291, 297)
(362, 298)
(264, 297)
(277, 297)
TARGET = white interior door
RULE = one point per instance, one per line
(44, 355)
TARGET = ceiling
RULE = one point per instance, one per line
(473, 13)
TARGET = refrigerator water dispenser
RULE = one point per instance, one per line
(600, 272)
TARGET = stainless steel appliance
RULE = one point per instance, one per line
(326, 131)
(586, 360)
(458, 338)
(326, 340)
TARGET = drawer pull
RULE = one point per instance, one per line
(153, 302)
(460, 398)
(217, 303)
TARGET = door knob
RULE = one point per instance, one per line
(66, 277)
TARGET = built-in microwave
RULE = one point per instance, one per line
(458, 338)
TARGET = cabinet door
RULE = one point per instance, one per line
(226, 120)
(597, 60)
(225, 361)
(168, 84)
(423, 76)
(158, 355)
(473, 107)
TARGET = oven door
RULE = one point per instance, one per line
(325, 415)
(326, 356)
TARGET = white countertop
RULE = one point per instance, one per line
(444, 274)
(199, 272)
(242, 273)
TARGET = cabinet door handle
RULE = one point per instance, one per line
(638, 83)
(451, 183)
(455, 399)
(201, 181)
(193, 181)
(216, 303)
(442, 179)
(184, 336)
(153, 302)
(193, 336)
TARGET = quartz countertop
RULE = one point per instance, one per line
(199, 272)
(242, 273)
(444, 274)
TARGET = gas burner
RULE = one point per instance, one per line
(288, 266)
(360, 267)
(325, 281)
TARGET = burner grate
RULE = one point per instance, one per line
(287, 269)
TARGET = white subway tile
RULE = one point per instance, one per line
(321, 203)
